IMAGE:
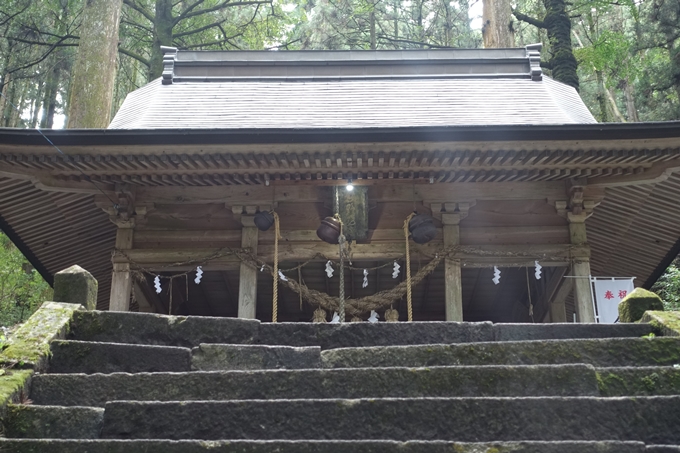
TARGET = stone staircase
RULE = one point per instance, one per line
(127, 382)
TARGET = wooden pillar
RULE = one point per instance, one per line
(247, 288)
(121, 281)
(452, 273)
(558, 311)
(580, 268)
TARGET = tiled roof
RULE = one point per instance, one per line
(349, 90)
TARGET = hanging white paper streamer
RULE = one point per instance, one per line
(496, 275)
(538, 270)
(199, 275)
(365, 283)
(374, 316)
(395, 271)
(329, 269)
(336, 318)
(283, 277)
(157, 282)
(262, 268)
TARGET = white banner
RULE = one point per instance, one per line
(608, 293)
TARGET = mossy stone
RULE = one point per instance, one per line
(75, 285)
(666, 323)
(635, 304)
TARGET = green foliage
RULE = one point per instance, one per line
(668, 288)
(22, 289)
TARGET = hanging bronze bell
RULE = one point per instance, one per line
(329, 230)
(263, 220)
(422, 229)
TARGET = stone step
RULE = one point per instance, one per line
(330, 336)
(611, 352)
(454, 419)
(97, 389)
(214, 357)
(662, 449)
(308, 446)
(632, 381)
(147, 328)
(52, 422)
(97, 357)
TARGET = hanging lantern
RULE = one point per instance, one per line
(329, 230)
(422, 228)
(263, 220)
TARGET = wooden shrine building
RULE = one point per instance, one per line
(508, 163)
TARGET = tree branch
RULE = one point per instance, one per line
(418, 43)
(227, 4)
(137, 57)
(198, 30)
(529, 20)
(140, 9)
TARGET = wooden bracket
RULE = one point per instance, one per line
(577, 209)
(451, 211)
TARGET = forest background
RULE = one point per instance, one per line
(622, 55)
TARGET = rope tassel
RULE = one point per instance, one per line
(409, 296)
(275, 289)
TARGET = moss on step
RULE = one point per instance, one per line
(666, 323)
(13, 387)
(29, 345)
(635, 304)
(639, 381)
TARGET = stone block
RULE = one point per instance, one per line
(215, 357)
(666, 323)
(75, 285)
(29, 345)
(507, 381)
(459, 419)
(316, 446)
(53, 422)
(98, 357)
(602, 352)
(635, 304)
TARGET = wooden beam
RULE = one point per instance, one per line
(583, 296)
(453, 283)
(470, 235)
(260, 195)
(121, 280)
(247, 289)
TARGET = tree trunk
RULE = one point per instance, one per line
(630, 102)
(49, 103)
(371, 18)
(558, 26)
(95, 69)
(497, 19)
(162, 36)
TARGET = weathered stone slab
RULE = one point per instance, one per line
(567, 331)
(75, 285)
(658, 351)
(665, 323)
(147, 328)
(30, 343)
(326, 446)
(462, 419)
(97, 389)
(96, 357)
(215, 357)
(53, 422)
(631, 381)
(344, 335)
(662, 449)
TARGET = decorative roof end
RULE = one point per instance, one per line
(169, 57)
(534, 55)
